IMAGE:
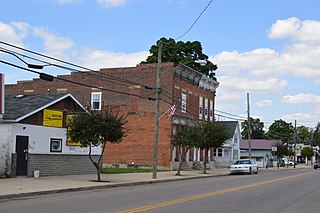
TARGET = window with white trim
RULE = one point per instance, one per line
(206, 109)
(183, 102)
(200, 107)
(211, 110)
(96, 100)
(55, 145)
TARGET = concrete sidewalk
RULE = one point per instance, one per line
(28, 186)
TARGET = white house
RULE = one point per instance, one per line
(33, 137)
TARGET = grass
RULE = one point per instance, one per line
(127, 170)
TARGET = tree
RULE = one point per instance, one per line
(212, 135)
(180, 52)
(316, 136)
(184, 140)
(257, 131)
(281, 130)
(307, 152)
(97, 128)
(304, 134)
(282, 150)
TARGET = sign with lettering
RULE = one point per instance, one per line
(52, 118)
(69, 141)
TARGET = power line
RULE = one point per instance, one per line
(95, 73)
(195, 20)
(69, 81)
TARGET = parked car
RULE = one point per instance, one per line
(290, 162)
(246, 166)
(316, 164)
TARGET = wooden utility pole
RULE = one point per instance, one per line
(295, 144)
(156, 127)
(249, 126)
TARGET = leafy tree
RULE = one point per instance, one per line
(307, 152)
(282, 150)
(183, 52)
(212, 135)
(281, 130)
(316, 136)
(304, 134)
(97, 128)
(184, 140)
(257, 131)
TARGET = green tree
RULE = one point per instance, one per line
(316, 136)
(281, 130)
(304, 134)
(282, 150)
(257, 131)
(182, 52)
(212, 135)
(307, 152)
(97, 128)
(185, 139)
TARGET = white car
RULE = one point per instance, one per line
(244, 166)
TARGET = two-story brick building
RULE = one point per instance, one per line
(132, 90)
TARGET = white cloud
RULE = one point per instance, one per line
(245, 84)
(264, 103)
(14, 33)
(112, 3)
(301, 98)
(54, 45)
(96, 59)
(306, 119)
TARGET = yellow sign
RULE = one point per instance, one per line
(69, 141)
(52, 118)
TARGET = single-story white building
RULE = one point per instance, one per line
(33, 137)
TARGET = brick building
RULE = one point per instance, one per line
(132, 91)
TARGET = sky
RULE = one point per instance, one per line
(269, 49)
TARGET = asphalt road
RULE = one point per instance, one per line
(269, 191)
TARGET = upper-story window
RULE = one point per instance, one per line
(211, 110)
(200, 107)
(206, 109)
(184, 102)
(96, 100)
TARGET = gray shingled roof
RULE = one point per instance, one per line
(231, 126)
(21, 105)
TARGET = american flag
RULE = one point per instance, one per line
(173, 109)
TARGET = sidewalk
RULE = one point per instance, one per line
(28, 186)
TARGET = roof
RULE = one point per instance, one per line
(231, 126)
(21, 106)
(259, 143)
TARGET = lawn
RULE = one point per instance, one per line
(127, 170)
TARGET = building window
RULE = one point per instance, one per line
(211, 111)
(55, 145)
(220, 151)
(206, 109)
(184, 102)
(200, 107)
(96, 100)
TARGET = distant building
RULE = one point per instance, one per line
(261, 150)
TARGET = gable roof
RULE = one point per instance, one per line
(231, 126)
(20, 107)
(259, 143)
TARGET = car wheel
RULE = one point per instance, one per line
(256, 171)
(315, 167)
(250, 171)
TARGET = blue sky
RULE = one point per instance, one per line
(269, 48)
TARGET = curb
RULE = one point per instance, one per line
(56, 191)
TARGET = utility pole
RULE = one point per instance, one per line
(156, 127)
(249, 126)
(295, 144)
